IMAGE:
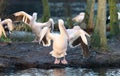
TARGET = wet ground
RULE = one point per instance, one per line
(24, 55)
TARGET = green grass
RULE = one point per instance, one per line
(4, 39)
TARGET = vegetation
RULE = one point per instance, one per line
(114, 24)
(22, 27)
(4, 39)
(46, 11)
(98, 39)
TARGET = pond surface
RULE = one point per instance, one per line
(65, 72)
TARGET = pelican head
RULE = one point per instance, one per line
(34, 16)
(51, 20)
(60, 22)
(79, 18)
(82, 14)
(52, 24)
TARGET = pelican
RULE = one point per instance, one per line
(31, 22)
(60, 42)
(77, 37)
(2, 31)
(38, 27)
(7, 24)
(79, 18)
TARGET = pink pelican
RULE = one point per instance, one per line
(31, 22)
(79, 18)
(60, 42)
(38, 27)
(77, 37)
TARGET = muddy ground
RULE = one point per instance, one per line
(23, 55)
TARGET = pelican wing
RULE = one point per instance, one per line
(2, 31)
(22, 16)
(43, 37)
(84, 39)
(85, 48)
(42, 33)
(73, 36)
(79, 41)
(9, 24)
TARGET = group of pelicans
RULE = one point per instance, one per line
(44, 33)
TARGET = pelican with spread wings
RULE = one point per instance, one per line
(77, 37)
(60, 42)
(32, 23)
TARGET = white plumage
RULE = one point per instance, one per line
(38, 27)
(23, 16)
(77, 32)
(31, 22)
(8, 24)
(76, 36)
(60, 42)
(79, 18)
(2, 31)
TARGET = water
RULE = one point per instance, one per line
(65, 72)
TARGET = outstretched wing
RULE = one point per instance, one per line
(22, 16)
(2, 31)
(43, 37)
(85, 48)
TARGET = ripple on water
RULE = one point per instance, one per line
(65, 72)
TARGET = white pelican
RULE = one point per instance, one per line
(77, 36)
(60, 42)
(31, 22)
(2, 31)
(37, 27)
(79, 18)
(7, 24)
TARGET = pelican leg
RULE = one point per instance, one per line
(57, 61)
(64, 61)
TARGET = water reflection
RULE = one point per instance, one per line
(65, 72)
